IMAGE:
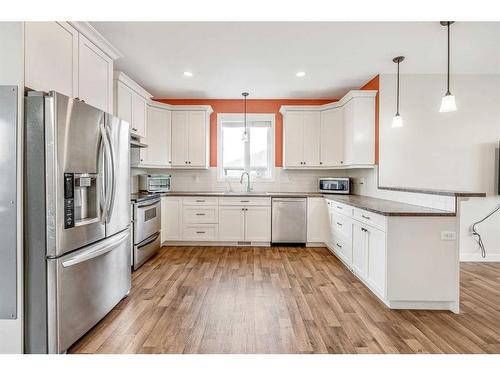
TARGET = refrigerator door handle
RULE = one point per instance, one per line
(107, 150)
(96, 251)
(113, 174)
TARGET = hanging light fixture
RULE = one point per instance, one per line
(244, 137)
(448, 103)
(397, 120)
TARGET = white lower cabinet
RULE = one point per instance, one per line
(171, 219)
(317, 220)
(231, 223)
(258, 224)
(358, 238)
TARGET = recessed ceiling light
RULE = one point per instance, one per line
(300, 74)
(188, 74)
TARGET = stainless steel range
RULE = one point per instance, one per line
(146, 214)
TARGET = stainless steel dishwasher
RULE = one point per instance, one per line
(289, 224)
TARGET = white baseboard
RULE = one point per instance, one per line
(476, 257)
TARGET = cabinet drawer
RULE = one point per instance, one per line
(370, 218)
(245, 201)
(200, 201)
(200, 214)
(200, 232)
(343, 249)
(341, 208)
(341, 225)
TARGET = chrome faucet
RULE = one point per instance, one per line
(249, 189)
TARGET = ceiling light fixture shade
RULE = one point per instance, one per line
(188, 74)
(397, 120)
(244, 137)
(300, 74)
(448, 103)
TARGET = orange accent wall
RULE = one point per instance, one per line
(253, 106)
(374, 84)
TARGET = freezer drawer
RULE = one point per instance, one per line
(146, 249)
(289, 221)
(84, 286)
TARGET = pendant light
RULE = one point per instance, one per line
(448, 103)
(244, 137)
(397, 120)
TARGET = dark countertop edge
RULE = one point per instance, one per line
(449, 193)
(431, 212)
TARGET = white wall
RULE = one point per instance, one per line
(454, 151)
(11, 73)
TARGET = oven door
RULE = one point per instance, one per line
(147, 219)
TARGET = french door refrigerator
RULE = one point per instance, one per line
(77, 219)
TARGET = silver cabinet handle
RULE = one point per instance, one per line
(134, 129)
(200, 232)
(365, 217)
(340, 208)
(244, 201)
(200, 200)
(364, 229)
(339, 224)
(338, 245)
(200, 214)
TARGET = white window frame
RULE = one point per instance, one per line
(251, 117)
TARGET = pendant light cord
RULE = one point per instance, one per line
(397, 96)
(448, 88)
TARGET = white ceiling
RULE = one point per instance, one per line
(262, 58)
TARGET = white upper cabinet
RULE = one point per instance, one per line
(190, 138)
(332, 138)
(158, 124)
(130, 103)
(302, 138)
(51, 57)
(339, 134)
(71, 58)
(95, 76)
(359, 125)
(293, 147)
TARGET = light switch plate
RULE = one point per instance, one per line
(448, 235)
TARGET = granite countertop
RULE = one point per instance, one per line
(387, 207)
(449, 193)
(242, 194)
(376, 205)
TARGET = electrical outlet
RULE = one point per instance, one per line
(448, 235)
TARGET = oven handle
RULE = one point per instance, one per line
(148, 240)
(148, 204)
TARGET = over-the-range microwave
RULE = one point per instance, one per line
(334, 185)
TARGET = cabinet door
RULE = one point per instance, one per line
(51, 57)
(179, 138)
(197, 139)
(363, 131)
(359, 250)
(138, 124)
(317, 220)
(293, 142)
(348, 132)
(95, 76)
(158, 125)
(171, 219)
(231, 223)
(123, 102)
(311, 125)
(376, 260)
(258, 224)
(332, 138)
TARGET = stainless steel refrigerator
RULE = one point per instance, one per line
(77, 219)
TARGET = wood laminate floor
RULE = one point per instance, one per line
(284, 300)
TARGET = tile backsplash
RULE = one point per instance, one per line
(364, 182)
